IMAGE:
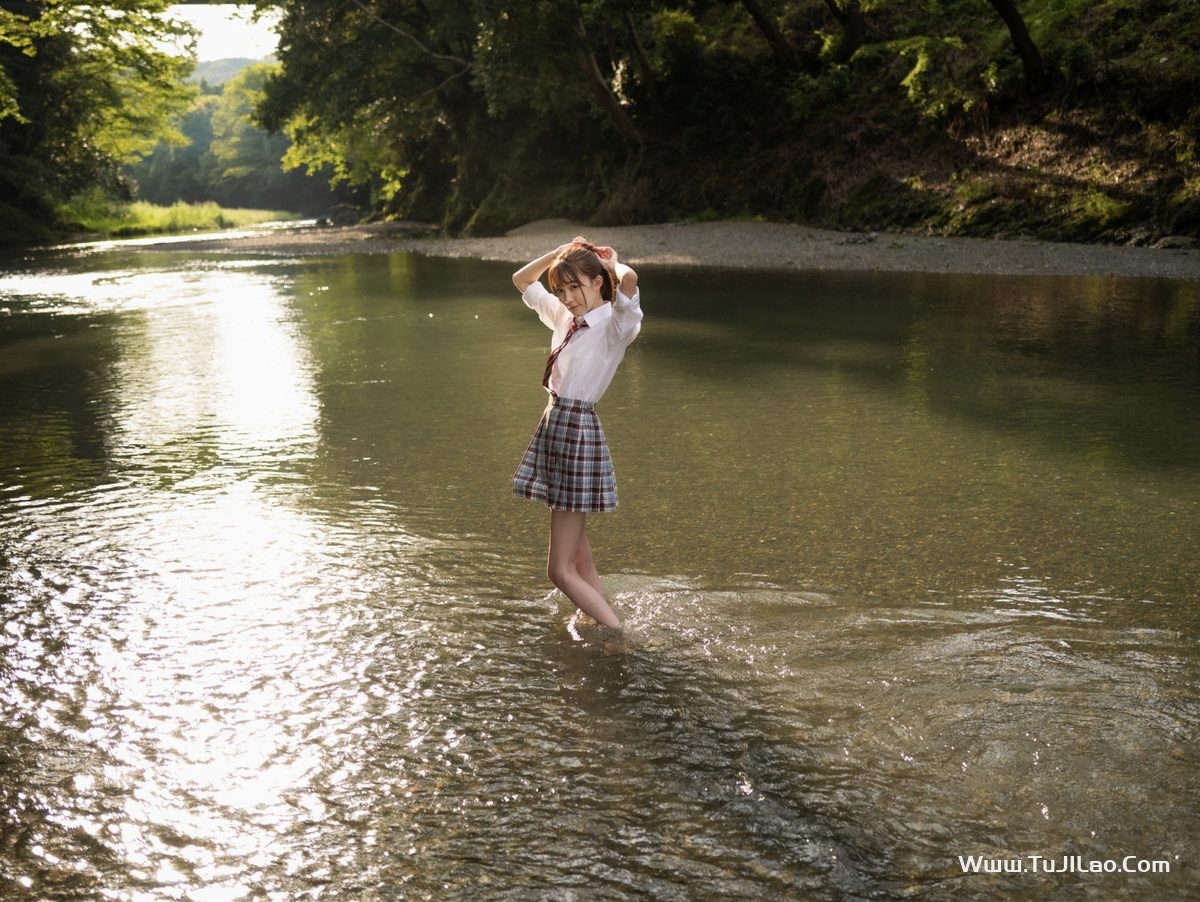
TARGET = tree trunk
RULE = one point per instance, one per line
(854, 30)
(784, 52)
(652, 92)
(621, 121)
(1031, 57)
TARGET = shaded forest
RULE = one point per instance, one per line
(1061, 120)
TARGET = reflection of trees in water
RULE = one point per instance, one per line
(55, 397)
(1095, 365)
(1100, 367)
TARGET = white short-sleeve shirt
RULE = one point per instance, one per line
(586, 366)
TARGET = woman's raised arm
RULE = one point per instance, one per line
(532, 271)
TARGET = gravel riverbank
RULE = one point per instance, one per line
(737, 245)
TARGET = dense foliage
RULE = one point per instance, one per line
(83, 90)
(231, 161)
(1063, 119)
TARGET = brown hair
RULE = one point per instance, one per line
(579, 263)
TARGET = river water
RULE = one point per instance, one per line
(911, 561)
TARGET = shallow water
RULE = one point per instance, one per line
(911, 560)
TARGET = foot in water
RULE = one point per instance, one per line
(612, 642)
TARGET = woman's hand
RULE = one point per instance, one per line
(608, 257)
(603, 251)
(532, 271)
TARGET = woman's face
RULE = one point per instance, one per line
(580, 297)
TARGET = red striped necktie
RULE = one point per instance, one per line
(575, 326)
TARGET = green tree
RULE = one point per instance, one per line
(83, 89)
(479, 113)
(249, 161)
(241, 148)
(484, 113)
(230, 160)
(378, 96)
(185, 172)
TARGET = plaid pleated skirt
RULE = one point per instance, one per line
(567, 465)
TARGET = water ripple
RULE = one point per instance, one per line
(270, 626)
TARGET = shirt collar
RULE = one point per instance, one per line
(597, 315)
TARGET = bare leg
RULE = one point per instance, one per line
(586, 565)
(568, 540)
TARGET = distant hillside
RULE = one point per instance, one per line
(217, 72)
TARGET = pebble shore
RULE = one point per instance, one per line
(728, 245)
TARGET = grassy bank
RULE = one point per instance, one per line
(95, 214)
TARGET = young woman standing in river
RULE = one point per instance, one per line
(593, 308)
